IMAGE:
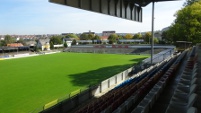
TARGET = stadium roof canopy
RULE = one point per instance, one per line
(127, 9)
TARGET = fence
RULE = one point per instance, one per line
(156, 58)
(160, 56)
(114, 50)
(101, 50)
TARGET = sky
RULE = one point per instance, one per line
(33, 17)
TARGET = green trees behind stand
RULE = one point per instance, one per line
(187, 26)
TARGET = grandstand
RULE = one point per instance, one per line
(182, 45)
(170, 86)
(10, 51)
(117, 49)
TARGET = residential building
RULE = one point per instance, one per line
(108, 33)
(68, 41)
(89, 32)
(43, 44)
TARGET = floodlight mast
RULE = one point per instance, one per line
(152, 32)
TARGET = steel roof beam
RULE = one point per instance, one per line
(126, 9)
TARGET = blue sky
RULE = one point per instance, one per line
(42, 17)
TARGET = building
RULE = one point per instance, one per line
(1, 38)
(105, 35)
(108, 33)
(69, 41)
(89, 33)
(158, 35)
(44, 44)
(15, 45)
(31, 43)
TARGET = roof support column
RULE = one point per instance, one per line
(152, 32)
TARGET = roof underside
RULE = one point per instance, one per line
(144, 3)
(141, 3)
(127, 9)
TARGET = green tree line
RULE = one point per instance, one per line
(187, 25)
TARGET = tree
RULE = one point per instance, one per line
(90, 36)
(137, 36)
(65, 44)
(147, 37)
(164, 35)
(3, 43)
(113, 38)
(36, 48)
(128, 36)
(167, 37)
(51, 45)
(120, 37)
(189, 2)
(55, 40)
(21, 41)
(84, 36)
(96, 37)
(74, 42)
(8, 39)
(187, 24)
(156, 41)
(72, 36)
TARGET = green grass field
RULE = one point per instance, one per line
(29, 83)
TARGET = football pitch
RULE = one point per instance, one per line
(29, 83)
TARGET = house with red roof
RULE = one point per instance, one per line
(15, 45)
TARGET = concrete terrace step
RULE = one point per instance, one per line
(163, 101)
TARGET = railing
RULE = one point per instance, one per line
(156, 58)
(69, 97)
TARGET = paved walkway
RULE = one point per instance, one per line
(162, 103)
(198, 91)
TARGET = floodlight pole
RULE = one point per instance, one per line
(152, 32)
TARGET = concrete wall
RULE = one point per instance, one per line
(111, 82)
